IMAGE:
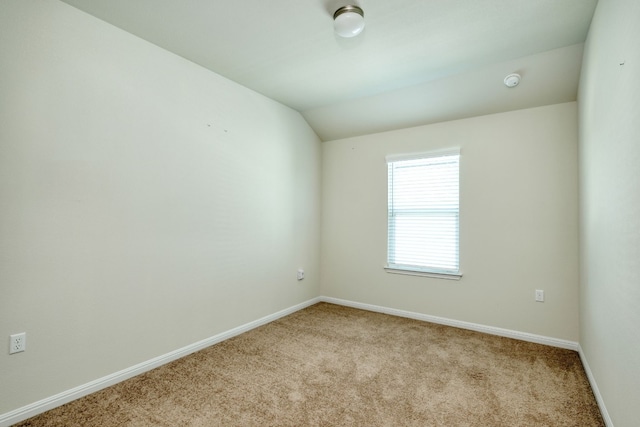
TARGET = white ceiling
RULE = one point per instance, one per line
(417, 61)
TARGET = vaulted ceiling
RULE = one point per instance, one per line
(416, 62)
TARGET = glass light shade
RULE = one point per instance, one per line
(348, 21)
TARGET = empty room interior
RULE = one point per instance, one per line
(175, 175)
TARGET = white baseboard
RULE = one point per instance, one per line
(523, 336)
(59, 399)
(594, 387)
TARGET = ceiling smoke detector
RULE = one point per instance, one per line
(512, 80)
(348, 21)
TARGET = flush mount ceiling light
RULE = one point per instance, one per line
(512, 80)
(348, 21)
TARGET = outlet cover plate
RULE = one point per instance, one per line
(17, 343)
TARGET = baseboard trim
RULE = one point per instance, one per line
(594, 387)
(523, 336)
(59, 399)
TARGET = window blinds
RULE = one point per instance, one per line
(423, 216)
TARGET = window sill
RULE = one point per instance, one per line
(416, 272)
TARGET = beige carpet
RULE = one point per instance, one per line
(330, 366)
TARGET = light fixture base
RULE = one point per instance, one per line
(348, 8)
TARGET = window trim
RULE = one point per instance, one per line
(394, 269)
(416, 270)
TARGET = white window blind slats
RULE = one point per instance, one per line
(424, 214)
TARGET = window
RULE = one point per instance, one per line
(423, 216)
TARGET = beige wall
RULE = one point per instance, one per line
(518, 221)
(609, 105)
(145, 202)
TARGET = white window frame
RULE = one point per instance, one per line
(451, 273)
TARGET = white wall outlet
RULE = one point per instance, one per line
(539, 295)
(17, 343)
(300, 274)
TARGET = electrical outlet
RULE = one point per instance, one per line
(300, 274)
(539, 295)
(17, 343)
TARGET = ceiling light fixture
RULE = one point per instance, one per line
(348, 21)
(512, 80)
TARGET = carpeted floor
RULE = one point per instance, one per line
(333, 366)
